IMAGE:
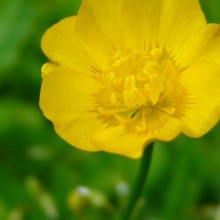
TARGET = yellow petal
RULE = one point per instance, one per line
(162, 126)
(206, 47)
(173, 24)
(140, 22)
(67, 99)
(202, 101)
(180, 23)
(118, 140)
(48, 67)
(99, 28)
(62, 47)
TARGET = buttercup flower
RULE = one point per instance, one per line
(124, 73)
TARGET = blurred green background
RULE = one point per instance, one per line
(42, 177)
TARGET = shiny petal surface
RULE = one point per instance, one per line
(173, 24)
(67, 99)
(206, 47)
(162, 126)
(180, 25)
(99, 28)
(131, 144)
(140, 22)
(118, 140)
(201, 111)
(62, 47)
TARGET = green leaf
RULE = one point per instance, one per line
(211, 9)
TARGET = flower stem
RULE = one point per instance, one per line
(139, 184)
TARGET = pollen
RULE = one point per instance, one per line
(135, 85)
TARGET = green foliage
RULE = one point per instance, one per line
(211, 9)
(41, 175)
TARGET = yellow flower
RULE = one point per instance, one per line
(124, 73)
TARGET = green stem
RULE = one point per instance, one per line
(139, 184)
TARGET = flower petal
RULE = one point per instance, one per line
(67, 100)
(131, 144)
(140, 22)
(202, 101)
(172, 24)
(180, 24)
(118, 140)
(99, 28)
(62, 47)
(162, 126)
(206, 47)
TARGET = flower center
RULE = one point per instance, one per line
(135, 85)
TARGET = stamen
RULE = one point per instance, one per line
(115, 100)
(136, 84)
(125, 116)
(132, 96)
